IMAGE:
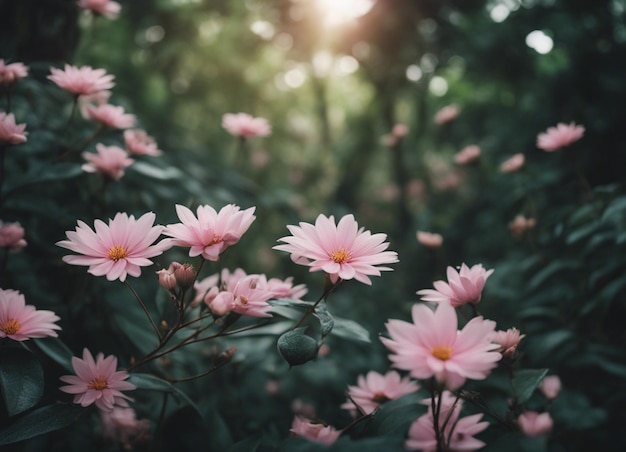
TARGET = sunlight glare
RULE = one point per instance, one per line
(337, 12)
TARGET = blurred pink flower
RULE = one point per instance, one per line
(260, 158)
(122, 426)
(109, 160)
(106, 8)
(285, 289)
(467, 155)
(20, 322)
(211, 232)
(10, 73)
(458, 433)
(343, 250)
(463, 287)
(512, 164)
(429, 239)
(520, 224)
(202, 286)
(92, 100)
(140, 143)
(550, 386)
(318, 433)
(508, 341)
(116, 250)
(532, 423)
(400, 130)
(446, 114)
(10, 132)
(432, 346)
(81, 81)
(245, 125)
(560, 136)
(374, 389)
(97, 381)
(12, 236)
(240, 293)
(110, 116)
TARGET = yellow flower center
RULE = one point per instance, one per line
(10, 327)
(341, 256)
(442, 352)
(117, 252)
(98, 384)
(244, 300)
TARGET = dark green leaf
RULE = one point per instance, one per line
(56, 349)
(349, 329)
(525, 382)
(21, 379)
(155, 172)
(152, 383)
(43, 420)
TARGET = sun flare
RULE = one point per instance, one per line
(341, 11)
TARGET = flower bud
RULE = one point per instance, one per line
(550, 386)
(535, 424)
(222, 303)
(12, 236)
(297, 348)
(185, 275)
(167, 278)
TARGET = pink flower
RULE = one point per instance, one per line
(535, 424)
(467, 155)
(343, 250)
(97, 381)
(400, 130)
(212, 232)
(285, 288)
(446, 114)
(110, 116)
(374, 389)
(10, 132)
(109, 161)
(167, 280)
(91, 100)
(20, 322)
(520, 224)
(116, 250)
(245, 125)
(106, 8)
(12, 236)
(550, 386)
(203, 286)
(560, 136)
(10, 73)
(508, 341)
(429, 239)
(240, 293)
(318, 433)
(458, 433)
(432, 346)
(140, 143)
(122, 426)
(463, 287)
(513, 164)
(81, 81)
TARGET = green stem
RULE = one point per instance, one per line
(145, 310)
(329, 287)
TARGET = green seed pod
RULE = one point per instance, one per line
(297, 348)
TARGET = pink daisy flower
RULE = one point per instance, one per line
(140, 143)
(97, 381)
(317, 433)
(447, 114)
(463, 287)
(245, 125)
(116, 250)
(240, 293)
(429, 239)
(81, 81)
(374, 389)
(109, 161)
(20, 322)
(106, 8)
(10, 73)
(532, 423)
(467, 155)
(110, 116)
(508, 341)
(432, 346)
(458, 433)
(10, 132)
(285, 289)
(513, 164)
(342, 250)
(12, 236)
(560, 136)
(211, 232)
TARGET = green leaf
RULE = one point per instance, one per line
(151, 383)
(21, 380)
(247, 445)
(56, 349)
(349, 329)
(155, 172)
(43, 420)
(326, 319)
(525, 382)
(46, 173)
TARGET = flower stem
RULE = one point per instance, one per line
(145, 309)
(328, 288)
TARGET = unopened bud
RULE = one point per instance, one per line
(185, 275)
(297, 348)
(167, 278)
(225, 356)
(222, 303)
